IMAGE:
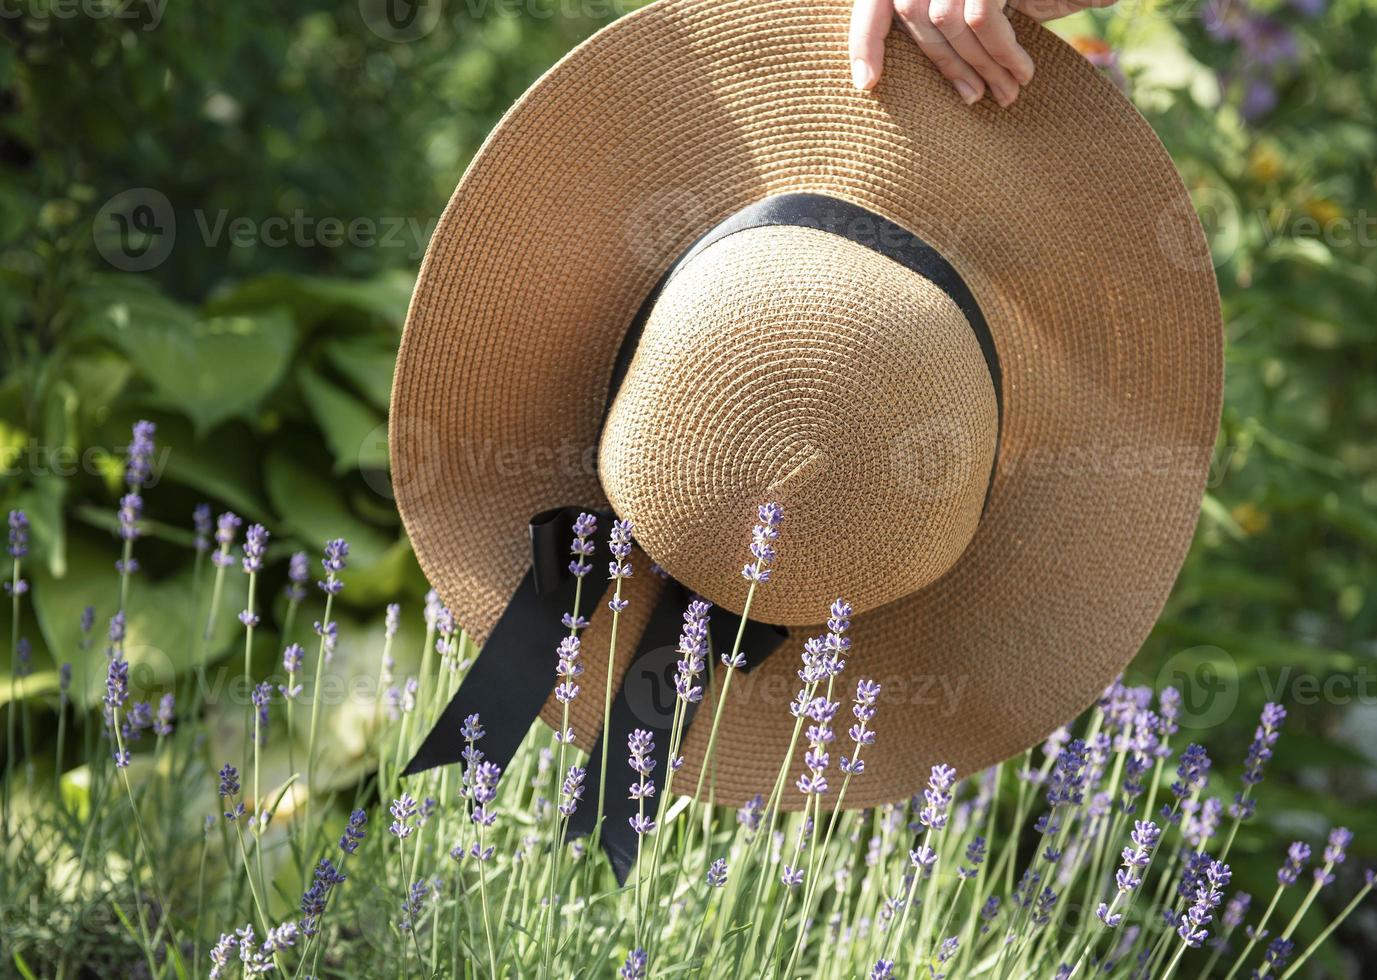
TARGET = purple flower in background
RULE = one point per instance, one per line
(763, 537)
(64, 683)
(402, 810)
(1296, 857)
(1259, 752)
(619, 568)
(19, 534)
(882, 970)
(298, 574)
(413, 905)
(116, 631)
(392, 619)
(354, 832)
(568, 668)
(226, 526)
(1192, 772)
(139, 465)
(229, 781)
(1209, 892)
(131, 509)
(571, 791)
(634, 967)
(717, 873)
(749, 815)
(167, 714)
(255, 545)
(201, 527)
(334, 561)
(292, 658)
(23, 658)
(1067, 782)
(88, 623)
(262, 696)
(1334, 853)
(117, 684)
(791, 877)
(329, 635)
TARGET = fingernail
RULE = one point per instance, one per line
(967, 91)
(861, 75)
(1025, 70)
(1005, 99)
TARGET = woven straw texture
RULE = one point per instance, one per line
(1063, 215)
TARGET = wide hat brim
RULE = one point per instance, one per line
(1064, 216)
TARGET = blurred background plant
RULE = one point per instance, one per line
(210, 217)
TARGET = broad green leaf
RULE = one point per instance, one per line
(368, 363)
(355, 433)
(316, 299)
(312, 506)
(165, 619)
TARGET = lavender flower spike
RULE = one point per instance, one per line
(19, 534)
(139, 465)
(334, 561)
(255, 545)
(226, 525)
(1208, 894)
(763, 536)
(635, 965)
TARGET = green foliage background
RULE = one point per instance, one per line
(267, 367)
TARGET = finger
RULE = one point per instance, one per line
(949, 17)
(992, 29)
(913, 16)
(870, 20)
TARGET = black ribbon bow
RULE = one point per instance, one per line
(514, 675)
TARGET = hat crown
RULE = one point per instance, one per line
(791, 364)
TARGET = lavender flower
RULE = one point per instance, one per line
(585, 526)
(1296, 857)
(167, 713)
(484, 791)
(117, 684)
(1209, 893)
(975, 855)
(1135, 861)
(749, 814)
(693, 647)
(640, 744)
(1192, 771)
(413, 905)
(292, 659)
(354, 832)
(791, 877)
(1259, 752)
(138, 466)
(131, 509)
(882, 970)
(64, 682)
(261, 697)
(567, 668)
(1334, 853)
(402, 810)
(298, 574)
(226, 526)
(763, 536)
(937, 797)
(255, 545)
(1278, 954)
(334, 561)
(571, 791)
(88, 622)
(634, 967)
(229, 781)
(717, 873)
(201, 527)
(23, 658)
(325, 877)
(619, 568)
(19, 534)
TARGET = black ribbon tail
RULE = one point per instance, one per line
(514, 673)
(646, 700)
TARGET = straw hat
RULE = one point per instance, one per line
(1007, 523)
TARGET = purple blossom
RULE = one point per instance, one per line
(1192, 772)
(791, 877)
(882, 970)
(255, 545)
(1209, 892)
(483, 789)
(693, 647)
(749, 814)
(201, 525)
(413, 905)
(763, 537)
(229, 781)
(1334, 853)
(334, 561)
(167, 714)
(23, 658)
(1135, 861)
(138, 467)
(403, 810)
(262, 696)
(64, 683)
(117, 684)
(640, 744)
(571, 790)
(585, 526)
(717, 873)
(568, 668)
(325, 877)
(131, 509)
(298, 574)
(392, 619)
(88, 623)
(937, 797)
(634, 967)
(354, 832)
(19, 534)
(226, 525)
(1296, 857)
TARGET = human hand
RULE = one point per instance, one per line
(971, 42)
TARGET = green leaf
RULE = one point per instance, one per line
(211, 369)
(355, 433)
(23, 967)
(367, 363)
(165, 619)
(316, 299)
